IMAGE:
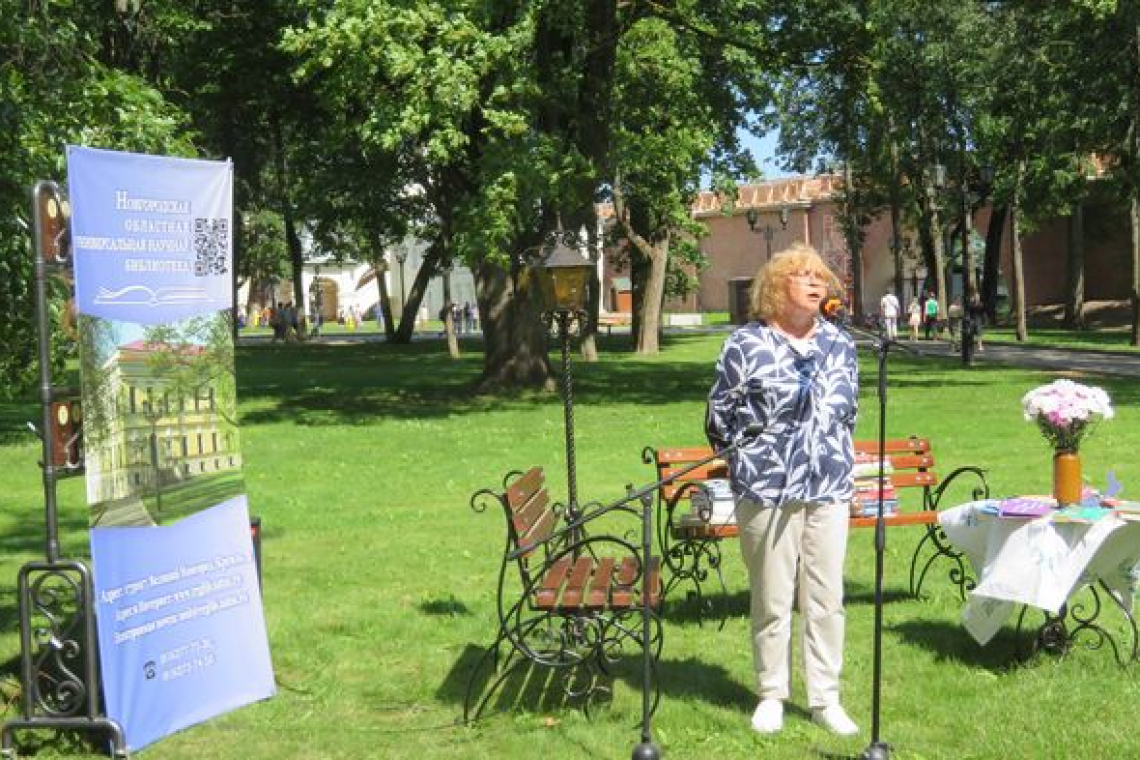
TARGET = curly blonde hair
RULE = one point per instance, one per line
(768, 296)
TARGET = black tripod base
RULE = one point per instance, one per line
(647, 750)
(877, 751)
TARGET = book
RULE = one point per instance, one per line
(1026, 506)
(1079, 514)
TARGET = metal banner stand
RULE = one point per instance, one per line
(59, 652)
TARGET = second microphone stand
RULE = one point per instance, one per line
(878, 749)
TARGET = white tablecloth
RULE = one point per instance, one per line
(1037, 561)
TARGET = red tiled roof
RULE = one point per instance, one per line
(790, 191)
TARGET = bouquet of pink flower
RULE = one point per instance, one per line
(1066, 411)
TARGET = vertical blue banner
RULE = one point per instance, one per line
(181, 633)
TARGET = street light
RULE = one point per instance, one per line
(563, 275)
(401, 257)
(768, 231)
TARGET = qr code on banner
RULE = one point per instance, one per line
(211, 244)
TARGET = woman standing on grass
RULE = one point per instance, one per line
(795, 375)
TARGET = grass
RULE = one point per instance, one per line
(379, 580)
(1097, 340)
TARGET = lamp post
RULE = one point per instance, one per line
(563, 278)
(401, 257)
(768, 231)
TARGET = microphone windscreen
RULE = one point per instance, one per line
(831, 307)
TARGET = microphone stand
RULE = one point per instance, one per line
(878, 749)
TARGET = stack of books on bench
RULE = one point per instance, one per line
(715, 500)
(867, 493)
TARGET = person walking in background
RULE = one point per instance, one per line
(468, 317)
(889, 311)
(796, 375)
(930, 316)
(954, 320)
(277, 321)
(976, 313)
(914, 317)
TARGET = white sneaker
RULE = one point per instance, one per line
(835, 719)
(769, 716)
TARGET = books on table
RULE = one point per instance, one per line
(715, 500)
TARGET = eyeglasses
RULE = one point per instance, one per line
(808, 278)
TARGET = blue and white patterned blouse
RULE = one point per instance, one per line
(803, 394)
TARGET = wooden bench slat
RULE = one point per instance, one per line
(530, 512)
(893, 446)
(913, 479)
(548, 592)
(539, 532)
(600, 586)
(623, 595)
(922, 517)
(653, 582)
(524, 487)
(911, 461)
(575, 586)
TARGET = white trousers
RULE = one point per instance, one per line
(892, 326)
(800, 545)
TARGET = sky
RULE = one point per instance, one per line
(764, 149)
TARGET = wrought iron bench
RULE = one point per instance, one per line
(691, 548)
(568, 600)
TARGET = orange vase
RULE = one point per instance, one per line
(1066, 477)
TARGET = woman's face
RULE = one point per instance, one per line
(805, 292)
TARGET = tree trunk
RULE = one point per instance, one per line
(1134, 290)
(514, 337)
(1075, 293)
(589, 329)
(449, 317)
(416, 294)
(991, 267)
(1015, 250)
(896, 217)
(854, 242)
(934, 247)
(384, 303)
(292, 239)
(652, 298)
(1134, 178)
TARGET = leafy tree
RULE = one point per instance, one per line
(58, 86)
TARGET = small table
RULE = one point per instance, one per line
(1045, 562)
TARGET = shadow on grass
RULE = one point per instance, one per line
(535, 688)
(447, 607)
(949, 641)
(525, 686)
(717, 606)
(420, 381)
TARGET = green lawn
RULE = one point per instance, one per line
(379, 581)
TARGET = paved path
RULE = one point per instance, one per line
(1079, 360)
(1069, 359)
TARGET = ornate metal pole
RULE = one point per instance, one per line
(563, 320)
(59, 676)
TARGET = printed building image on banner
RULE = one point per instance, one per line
(160, 406)
(181, 632)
